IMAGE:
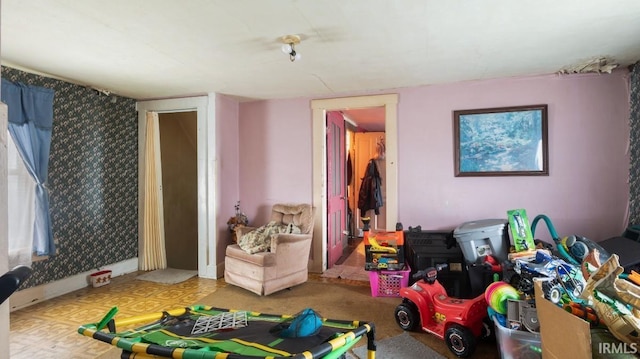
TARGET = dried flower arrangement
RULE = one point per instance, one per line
(238, 220)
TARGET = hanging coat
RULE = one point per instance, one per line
(370, 196)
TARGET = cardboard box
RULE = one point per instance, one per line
(98, 279)
(384, 250)
(562, 334)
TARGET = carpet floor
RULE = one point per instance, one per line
(400, 346)
(335, 301)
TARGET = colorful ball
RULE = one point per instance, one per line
(498, 293)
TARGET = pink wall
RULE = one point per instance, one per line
(275, 151)
(586, 192)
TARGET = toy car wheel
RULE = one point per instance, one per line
(555, 294)
(577, 291)
(407, 316)
(460, 340)
(488, 329)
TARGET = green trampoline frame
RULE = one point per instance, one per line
(348, 333)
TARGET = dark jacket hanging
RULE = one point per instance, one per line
(370, 196)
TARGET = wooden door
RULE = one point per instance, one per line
(336, 186)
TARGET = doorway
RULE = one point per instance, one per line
(368, 149)
(203, 106)
(178, 153)
(318, 262)
(365, 150)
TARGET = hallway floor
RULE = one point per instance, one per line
(349, 255)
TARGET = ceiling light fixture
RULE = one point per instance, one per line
(289, 47)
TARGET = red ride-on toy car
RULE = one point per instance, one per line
(459, 322)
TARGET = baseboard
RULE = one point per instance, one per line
(29, 296)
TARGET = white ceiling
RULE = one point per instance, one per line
(148, 49)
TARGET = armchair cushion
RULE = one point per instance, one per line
(263, 259)
(301, 215)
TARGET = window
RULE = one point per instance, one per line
(21, 208)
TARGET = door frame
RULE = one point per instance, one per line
(318, 261)
(204, 106)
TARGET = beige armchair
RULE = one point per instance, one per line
(284, 263)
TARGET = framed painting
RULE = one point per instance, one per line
(505, 141)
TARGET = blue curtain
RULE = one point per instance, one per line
(30, 122)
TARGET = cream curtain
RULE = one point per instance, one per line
(21, 198)
(152, 248)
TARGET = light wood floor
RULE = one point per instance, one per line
(49, 329)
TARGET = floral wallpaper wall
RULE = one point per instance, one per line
(634, 138)
(93, 179)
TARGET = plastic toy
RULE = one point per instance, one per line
(566, 282)
(517, 329)
(583, 311)
(520, 230)
(563, 282)
(382, 256)
(523, 314)
(634, 277)
(572, 249)
(616, 300)
(383, 250)
(490, 263)
(459, 322)
(378, 248)
(498, 293)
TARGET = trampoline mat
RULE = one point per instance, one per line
(256, 338)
